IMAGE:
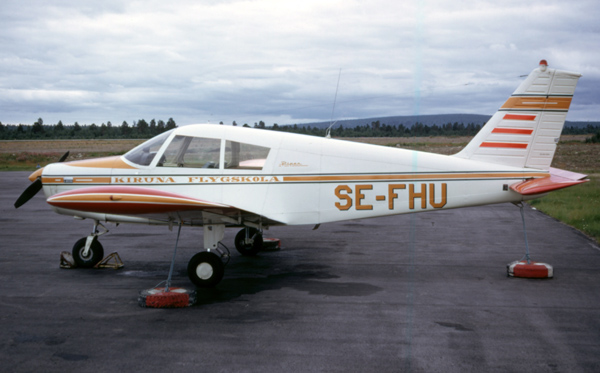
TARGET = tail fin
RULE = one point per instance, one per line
(525, 130)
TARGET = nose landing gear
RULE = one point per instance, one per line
(88, 251)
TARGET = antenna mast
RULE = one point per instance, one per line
(332, 123)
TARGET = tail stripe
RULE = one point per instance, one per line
(519, 117)
(513, 131)
(508, 145)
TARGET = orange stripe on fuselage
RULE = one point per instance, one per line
(486, 175)
(335, 178)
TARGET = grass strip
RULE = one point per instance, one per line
(577, 206)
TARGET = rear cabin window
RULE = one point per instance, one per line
(241, 156)
(195, 152)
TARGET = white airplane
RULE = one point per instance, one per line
(218, 176)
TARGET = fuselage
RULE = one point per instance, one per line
(288, 178)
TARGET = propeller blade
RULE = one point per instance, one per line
(64, 156)
(29, 193)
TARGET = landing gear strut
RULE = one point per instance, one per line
(206, 268)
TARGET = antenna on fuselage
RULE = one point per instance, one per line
(328, 131)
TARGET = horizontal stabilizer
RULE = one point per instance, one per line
(557, 179)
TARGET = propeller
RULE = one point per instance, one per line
(35, 187)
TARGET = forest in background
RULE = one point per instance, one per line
(142, 129)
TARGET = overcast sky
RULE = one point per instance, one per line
(279, 61)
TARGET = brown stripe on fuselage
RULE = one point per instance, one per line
(537, 103)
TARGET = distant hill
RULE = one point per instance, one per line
(428, 120)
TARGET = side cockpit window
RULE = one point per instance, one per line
(202, 152)
(194, 152)
(241, 156)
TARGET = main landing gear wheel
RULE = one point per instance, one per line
(205, 269)
(94, 255)
(249, 241)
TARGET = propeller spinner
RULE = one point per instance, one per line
(35, 187)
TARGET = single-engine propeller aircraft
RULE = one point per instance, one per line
(218, 176)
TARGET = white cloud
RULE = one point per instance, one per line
(279, 61)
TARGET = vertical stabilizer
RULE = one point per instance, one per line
(525, 130)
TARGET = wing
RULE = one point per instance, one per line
(149, 202)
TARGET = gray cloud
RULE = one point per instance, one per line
(277, 61)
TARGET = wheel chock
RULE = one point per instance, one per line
(105, 263)
(173, 298)
(271, 244)
(529, 270)
(66, 260)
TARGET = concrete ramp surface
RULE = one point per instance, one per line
(421, 293)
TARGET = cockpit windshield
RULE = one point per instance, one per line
(144, 154)
(199, 152)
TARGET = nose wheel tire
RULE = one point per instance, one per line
(94, 255)
(205, 269)
(250, 246)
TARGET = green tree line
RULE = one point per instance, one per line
(137, 130)
(142, 129)
(377, 129)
